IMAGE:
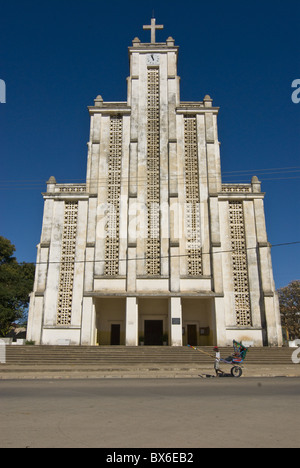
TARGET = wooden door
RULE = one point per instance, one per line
(153, 332)
(192, 335)
(115, 336)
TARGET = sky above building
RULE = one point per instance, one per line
(57, 56)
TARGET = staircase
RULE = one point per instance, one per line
(30, 357)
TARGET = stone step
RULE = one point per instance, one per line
(119, 355)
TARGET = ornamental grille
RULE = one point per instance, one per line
(193, 233)
(66, 276)
(72, 188)
(236, 188)
(239, 264)
(153, 174)
(113, 197)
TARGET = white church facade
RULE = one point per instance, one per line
(154, 247)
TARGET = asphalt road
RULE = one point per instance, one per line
(150, 413)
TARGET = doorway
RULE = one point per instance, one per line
(192, 335)
(154, 332)
(115, 335)
(110, 321)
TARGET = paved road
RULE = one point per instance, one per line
(150, 413)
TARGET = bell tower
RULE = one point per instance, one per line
(153, 94)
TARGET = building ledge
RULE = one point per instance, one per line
(157, 294)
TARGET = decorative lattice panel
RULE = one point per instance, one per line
(66, 276)
(239, 264)
(153, 174)
(236, 188)
(72, 188)
(193, 230)
(113, 197)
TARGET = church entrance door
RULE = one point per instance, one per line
(115, 336)
(154, 332)
(192, 335)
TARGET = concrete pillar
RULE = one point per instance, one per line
(217, 267)
(131, 321)
(220, 321)
(272, 313)
(175, 315)
(88, 330)
(35, 318)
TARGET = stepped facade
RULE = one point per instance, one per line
(154, 247)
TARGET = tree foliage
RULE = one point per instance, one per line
(289, 300)
(16, 282)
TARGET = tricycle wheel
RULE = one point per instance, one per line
(236, 372)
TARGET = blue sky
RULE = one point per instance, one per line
(57, 56)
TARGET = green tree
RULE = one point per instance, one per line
(289, 300)
(16, 282)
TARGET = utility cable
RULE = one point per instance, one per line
(162, 257)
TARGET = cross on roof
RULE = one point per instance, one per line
(153, 27)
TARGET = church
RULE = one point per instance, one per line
(154, 249)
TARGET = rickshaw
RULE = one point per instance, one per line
(235, 360)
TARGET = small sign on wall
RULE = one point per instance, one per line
(204, 331)
(175, 321)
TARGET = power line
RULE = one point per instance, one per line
(102, 181)
(164, 257)
(282, 170)
(41, 185)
